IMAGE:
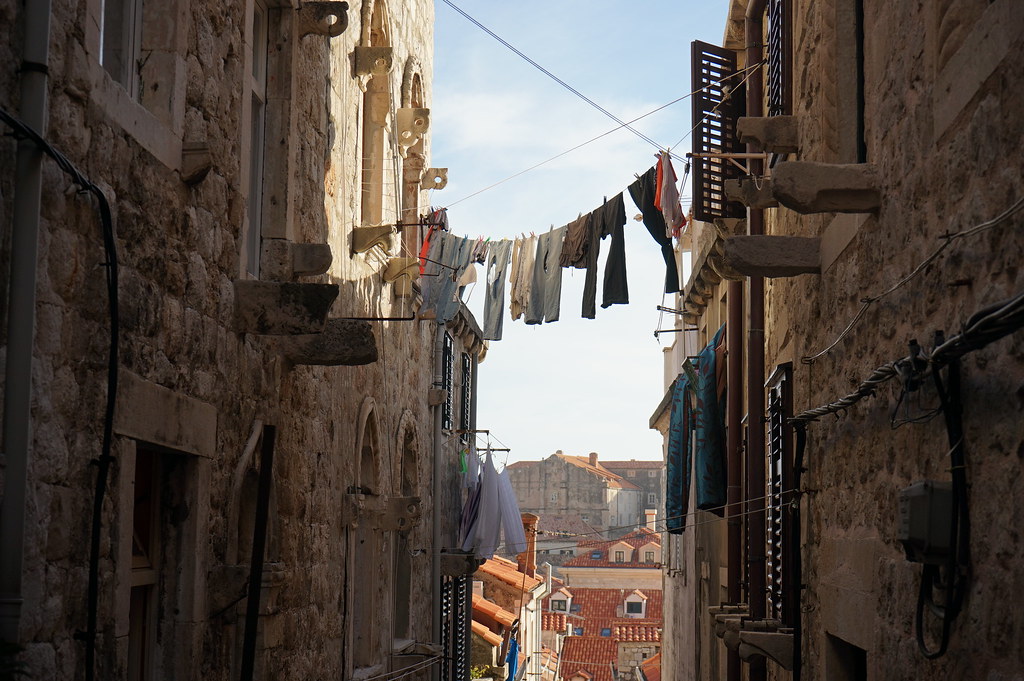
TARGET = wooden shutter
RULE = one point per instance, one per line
(716, 107)
(466, 400)
(463, 615)
(780, 482)
(447, 365)
(779, 84)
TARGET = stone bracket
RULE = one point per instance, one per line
(751, 191)
(196, 161)
(373, 61)
(381, 512)
(402, 272)
(344, 342)
(434, 178)
(809, 187)
(772, 256)
(284, 260)
(459, 564)
(365, 238)
(436, 396)
(282, 308)
(412, 124)
(326, 18)
(777, 134)
(776, 645)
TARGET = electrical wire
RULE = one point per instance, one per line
(947, 240)
(553, 77)
(23, 131)
(604, 134)
(983, 327)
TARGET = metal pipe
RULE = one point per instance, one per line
(259, 543)
(734, 449)
(757, 595)
(21, 317)
(435, 519)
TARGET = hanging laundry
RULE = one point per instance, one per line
(546, 292)
(522, 277)
(490, 512)
(435, 221)
(512, 531)
(468, 275)
(642, 192)
(479, 254)
(667, 197)
(512, 659)
(709, 464)
(577, 240)
(494, 299)
(448, 258)
(679, 457)
(615, 290)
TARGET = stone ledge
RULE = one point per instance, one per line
(773, 256)
(271, 308)
(152, 413)
(344, 342)
(284, 260)
(777, 134)
(809, 187)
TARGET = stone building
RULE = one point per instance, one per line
(278, 399)
(566, 485)
(880, 205)
(649, 476)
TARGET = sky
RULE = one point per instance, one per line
(575, 385)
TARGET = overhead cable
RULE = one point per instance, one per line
(555, 78)
(947, 240)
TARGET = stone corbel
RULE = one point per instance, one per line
(434, 178)
(344, 342)
(365, 238)
(326, 18)
(381, 512)
(412, 124)
(402, 272)
(809, 187)
(772, 256)
(775, 645)
(371, 61)
(282, 308)
(283, 260)
(751, 191)
(459, 564)
(196, 161)
(728, 619)
(777, 134)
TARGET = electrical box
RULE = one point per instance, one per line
(926, 510)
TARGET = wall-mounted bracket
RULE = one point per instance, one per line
(413, 124)
(402, 272)
(326, 18)
(434, 178)
(196, 161)
(365, 238)
(732, 158)
(372, 61)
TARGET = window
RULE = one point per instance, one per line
(447, 361)
(377, 106)
(466, 399)
(565, 552)
(652, 474)
(606, 631)
(778, 86)
(554, 497)
(634, 607)
(146, 535)
(779, 472)
(620, 556)
(630, 474)
(652, 498)
(648, 556)
(560, 604)
(595, 555)
(257, 137)
(577, 631)
(120, 38)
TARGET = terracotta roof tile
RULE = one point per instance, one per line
(553, 621)
(638, 538)
(651, 667)
(602, 604)
(638, 465)
(486, 634)
(588, 656)
(493, 611)
(508, 572)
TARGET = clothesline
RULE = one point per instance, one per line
(532, 265)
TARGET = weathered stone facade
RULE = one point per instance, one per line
(906, 141)
(232, 152)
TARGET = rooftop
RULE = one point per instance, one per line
(587, 551)
(589, 657)
(508, 572)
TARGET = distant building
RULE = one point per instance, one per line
(557, 536)
(649, 476)
(633, 560)
(565, 485)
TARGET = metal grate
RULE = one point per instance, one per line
(461, 641)
(447, 607)
(466, 399)
(448, 361)
(716, 107)
(779, 482)
(778, 85)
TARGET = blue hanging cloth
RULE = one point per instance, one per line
(710, 469)
(512, 659)
(679, 459)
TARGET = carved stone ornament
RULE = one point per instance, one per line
(434, 178)
(323, 18)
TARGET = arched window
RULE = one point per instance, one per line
(415, 159)
(409, 479)
(366, 549)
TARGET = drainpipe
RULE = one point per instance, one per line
(435, 520)
(753, 25)
(21, 318)
(734, 448)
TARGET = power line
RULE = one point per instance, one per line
(553, 77)
(947, 240)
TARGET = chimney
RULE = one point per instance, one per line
(650, 515)
(528, 559)
(593, 458)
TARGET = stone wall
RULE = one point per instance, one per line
(182, 248)
(942, 126)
